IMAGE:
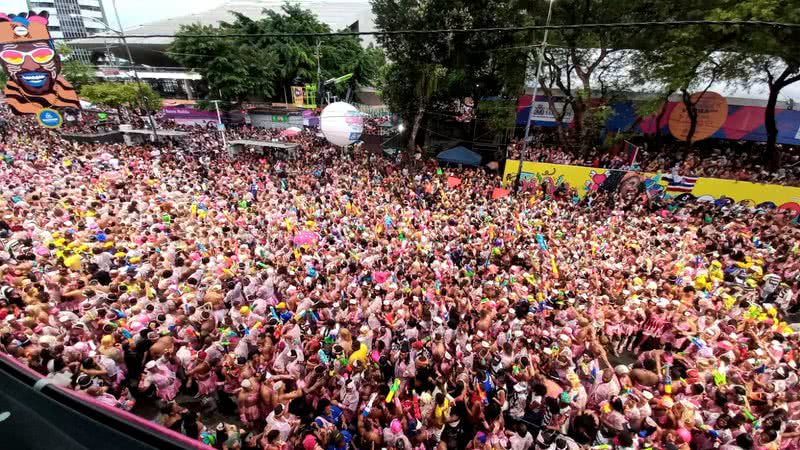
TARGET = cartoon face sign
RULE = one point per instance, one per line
(29, 58)
(33, 66)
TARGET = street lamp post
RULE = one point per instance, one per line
(220, 126)
(533, 98)
(121, 34)
(136, 75)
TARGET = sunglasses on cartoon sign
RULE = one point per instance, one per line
(40, 55)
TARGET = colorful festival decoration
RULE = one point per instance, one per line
(341, 123)
(49, 118)
(33, 66)
(686, 188)
(711, 109)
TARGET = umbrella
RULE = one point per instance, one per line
(305, 238)
(291, 131)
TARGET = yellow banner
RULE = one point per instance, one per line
(587, 179)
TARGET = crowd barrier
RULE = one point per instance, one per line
(36, 415)
(722, 192)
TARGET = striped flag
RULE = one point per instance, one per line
(631, 151)
(678, 183)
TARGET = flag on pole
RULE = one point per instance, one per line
(678, 183)
(631, 151)
(554, 266)
(500, 193)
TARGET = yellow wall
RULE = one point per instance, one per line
(581, 178)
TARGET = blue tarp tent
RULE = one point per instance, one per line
(460, 155)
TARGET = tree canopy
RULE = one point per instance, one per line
(76, 72)
(585, 69)
(429, 73)
(239, 68)
(119, 95)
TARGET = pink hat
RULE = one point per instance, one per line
(396, 427)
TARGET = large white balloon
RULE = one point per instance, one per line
(341, 123)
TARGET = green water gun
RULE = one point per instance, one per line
(393, 390)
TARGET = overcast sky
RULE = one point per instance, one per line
(134, 12)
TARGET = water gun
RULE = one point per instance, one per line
(719, 377)
(415, 402)
(274, 314)
(711, 432)
(126, 333)
(323, 357)
(393, 390)
(368, 406)
(667, 380)
(540, 240)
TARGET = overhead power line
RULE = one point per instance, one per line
(585, 26)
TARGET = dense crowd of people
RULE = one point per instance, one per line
(341, 301)
(741, 161)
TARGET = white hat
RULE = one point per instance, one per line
(246, 383)
(621, 369)
(485, 344)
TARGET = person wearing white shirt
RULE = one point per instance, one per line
(521, 438)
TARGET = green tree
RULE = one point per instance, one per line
(589, 68)
(76, 72)
(688, 61)
(122, 95)
(267, 66)
(232, 70)
(430, 73)
(768, 55)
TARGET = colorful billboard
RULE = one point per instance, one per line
(742, 123)
(587, 179)
(33, 66)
